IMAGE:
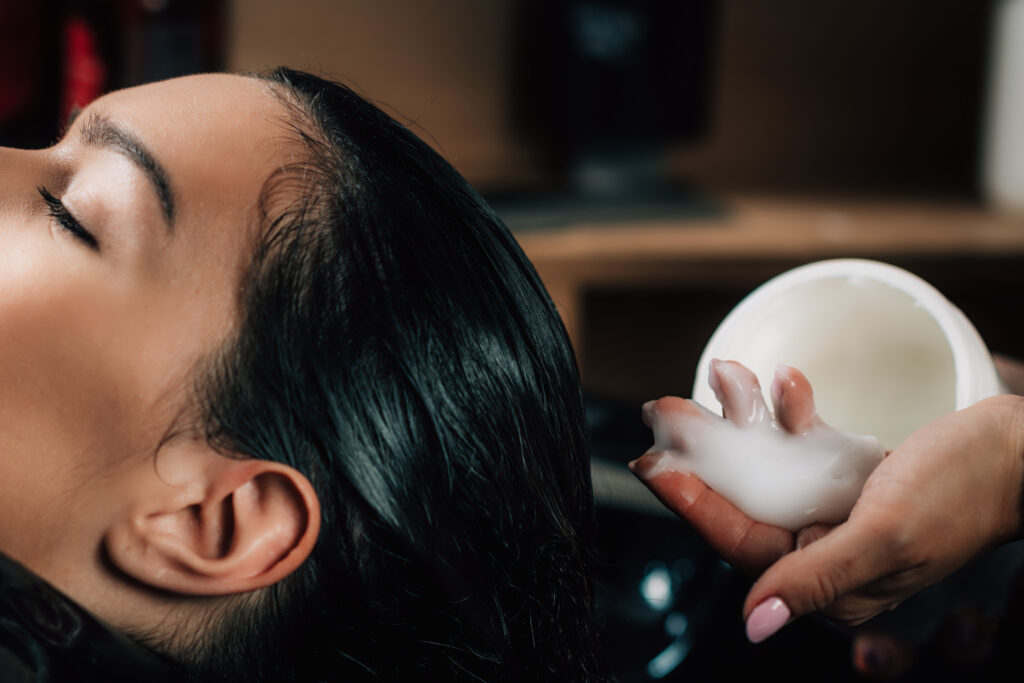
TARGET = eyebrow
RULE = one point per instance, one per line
(100, 131)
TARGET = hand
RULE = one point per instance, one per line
(749, 545)
(948, 493)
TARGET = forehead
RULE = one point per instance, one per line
(219, 136)
(203, 106)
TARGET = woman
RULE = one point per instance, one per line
(281, 398)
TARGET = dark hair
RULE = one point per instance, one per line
(398, 348)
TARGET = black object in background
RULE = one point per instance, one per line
(613, 79)
(605, 88)
(608, 74)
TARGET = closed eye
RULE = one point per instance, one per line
(66, 221)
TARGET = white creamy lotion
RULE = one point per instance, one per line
(788, 480)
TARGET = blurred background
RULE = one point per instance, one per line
(657, 159)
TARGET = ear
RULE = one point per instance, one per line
(207, 524)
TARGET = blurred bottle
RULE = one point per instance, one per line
(59, 55)
(1003, 155)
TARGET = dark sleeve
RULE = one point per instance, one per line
(45, 637)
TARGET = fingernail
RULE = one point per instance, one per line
(649, 413)
(766, 619)
(642, 466)
(776, 388)
(713, 379)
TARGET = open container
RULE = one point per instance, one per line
(884, 351)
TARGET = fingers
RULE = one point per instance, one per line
(661, 416)
(739, 392)
(678, 491)
(810, 534)
(747, 545)
(666, 407)
(814, 577)
(793, 400)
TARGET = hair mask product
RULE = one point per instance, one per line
(787, 479)
(885, 352)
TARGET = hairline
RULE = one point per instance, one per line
(192, 420)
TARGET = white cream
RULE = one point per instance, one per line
(788, 480)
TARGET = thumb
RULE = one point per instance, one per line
(813, 578)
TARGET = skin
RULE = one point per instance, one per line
(98, 347)
(900, 536)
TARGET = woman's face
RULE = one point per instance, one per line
(106, 307)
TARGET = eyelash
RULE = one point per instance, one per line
(59, 213)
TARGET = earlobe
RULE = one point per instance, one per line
(216, 525)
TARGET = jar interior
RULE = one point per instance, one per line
(878, 361)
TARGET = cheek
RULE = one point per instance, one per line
(84, 352)
(62, 392)
(60, 399)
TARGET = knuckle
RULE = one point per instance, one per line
(853, 611)
(901, 548)
(824, 589)
(895, 540)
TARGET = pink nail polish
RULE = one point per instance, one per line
(766, 619)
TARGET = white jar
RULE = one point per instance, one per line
(884, 351)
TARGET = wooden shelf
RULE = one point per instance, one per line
(758, 237)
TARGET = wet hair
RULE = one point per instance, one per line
(397, 347)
